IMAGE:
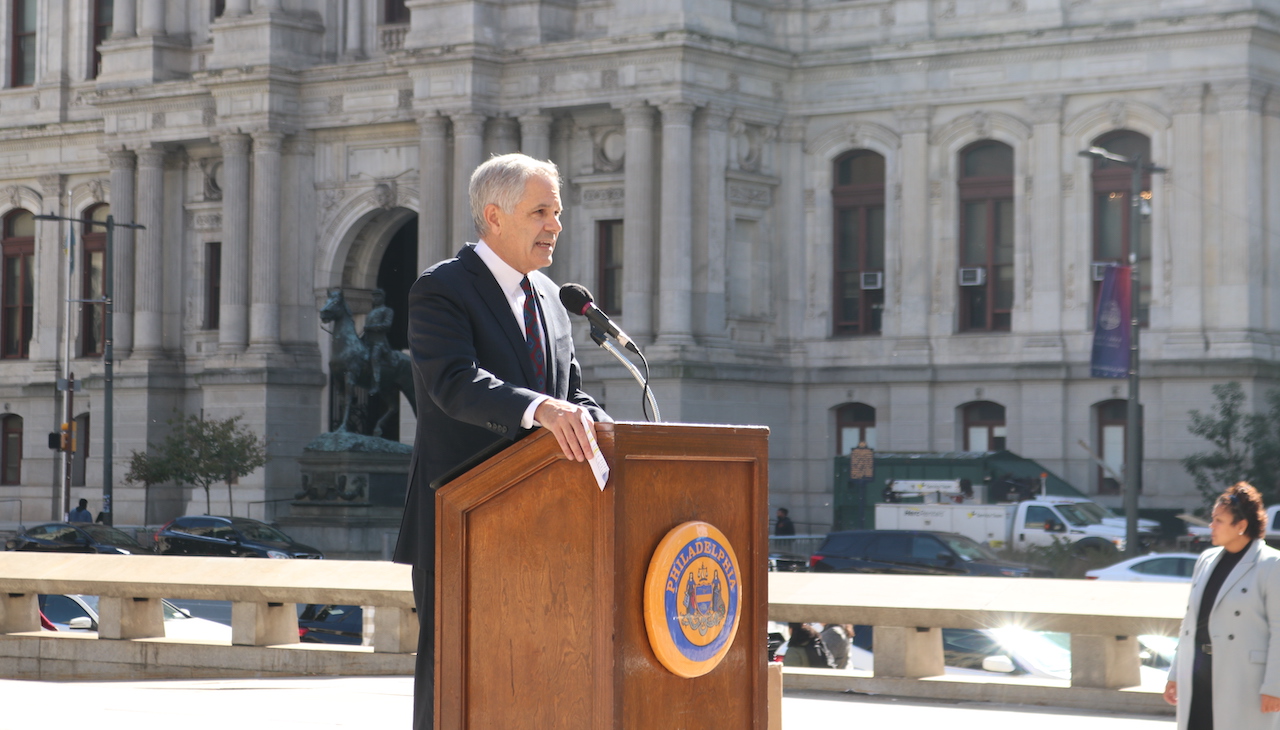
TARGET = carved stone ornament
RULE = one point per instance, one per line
(98, 189)
(13, 194)
(51, 184)
(384, 194)
(211, 171)
(609, 148)
(207, 222)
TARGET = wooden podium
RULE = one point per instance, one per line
(541, 581)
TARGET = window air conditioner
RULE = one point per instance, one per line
(873, 280)
(973, 276)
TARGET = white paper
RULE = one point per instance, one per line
(599, 466)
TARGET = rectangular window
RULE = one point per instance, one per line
(18, 301)
(394, 11)
(81, 456)
(11, 450)
(859, 272)
(103, 21)
(212, 284)
(23, 48)
(609, 256)
(93, 330)
(987, 244)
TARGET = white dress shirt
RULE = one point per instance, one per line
(509, 281)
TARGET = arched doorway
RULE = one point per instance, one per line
(393, 271)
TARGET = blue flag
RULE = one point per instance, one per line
(1111, 326)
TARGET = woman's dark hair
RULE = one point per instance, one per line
(1244, 503)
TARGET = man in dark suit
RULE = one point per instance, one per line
(492, 357)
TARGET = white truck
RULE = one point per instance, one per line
(1016, 524)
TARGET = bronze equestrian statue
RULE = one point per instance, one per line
(367, 362)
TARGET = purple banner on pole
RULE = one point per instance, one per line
(1111, 325)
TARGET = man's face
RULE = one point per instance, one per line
(526, 237)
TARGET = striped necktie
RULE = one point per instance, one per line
(533, 335)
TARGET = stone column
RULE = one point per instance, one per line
(913, 293)
(1041, 292)
(234, 8)
(468, 153)
(50, 273)
(149, 258)
(124, 20)
(506, 133)
(790, 204)
(675, 284)
(1240, 255)
(355, 30)
(710, 260)
(297, 239)
(638, 215)
(264, 310)
(535, 136)
(270, 6)
(152, 18)
(1186, 216)
(122, 163)
(233, 312)
(433, 191)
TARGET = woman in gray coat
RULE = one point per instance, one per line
(1226, 672)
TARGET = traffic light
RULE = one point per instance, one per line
(68, 440)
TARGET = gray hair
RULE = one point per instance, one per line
(501, 181)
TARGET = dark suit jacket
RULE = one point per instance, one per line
(472, 376)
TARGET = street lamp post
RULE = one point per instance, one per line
(1133, 416)
(108, 291)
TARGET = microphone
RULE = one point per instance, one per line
(578, 300)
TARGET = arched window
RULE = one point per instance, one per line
(986, 237)
(984, 427)
(17, 299)
(93, 279)
(858, 266)
(1112, 190)
(11, 450)
(1112, 416)
(855, 423)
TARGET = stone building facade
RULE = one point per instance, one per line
(843, 219)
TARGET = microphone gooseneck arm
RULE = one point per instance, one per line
(600, 339)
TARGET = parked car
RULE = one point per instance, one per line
(787, 562)
(1157, 567)
(914, 552)
(229, 536)
(75, 537)
(80, 613)
(330, 624)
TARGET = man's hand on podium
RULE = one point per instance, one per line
(571, 425)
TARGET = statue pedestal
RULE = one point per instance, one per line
(352, 496)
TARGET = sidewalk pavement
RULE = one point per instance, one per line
(309, 703)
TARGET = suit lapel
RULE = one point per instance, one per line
(496, 301)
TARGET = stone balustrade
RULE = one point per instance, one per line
(1104, 619)
(908, 613)
(263, 595)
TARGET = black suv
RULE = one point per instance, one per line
(912, 552)
(230, 536)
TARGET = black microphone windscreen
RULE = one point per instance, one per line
(575, 298)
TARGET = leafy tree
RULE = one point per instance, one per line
(1246, 446)
(200, 453)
